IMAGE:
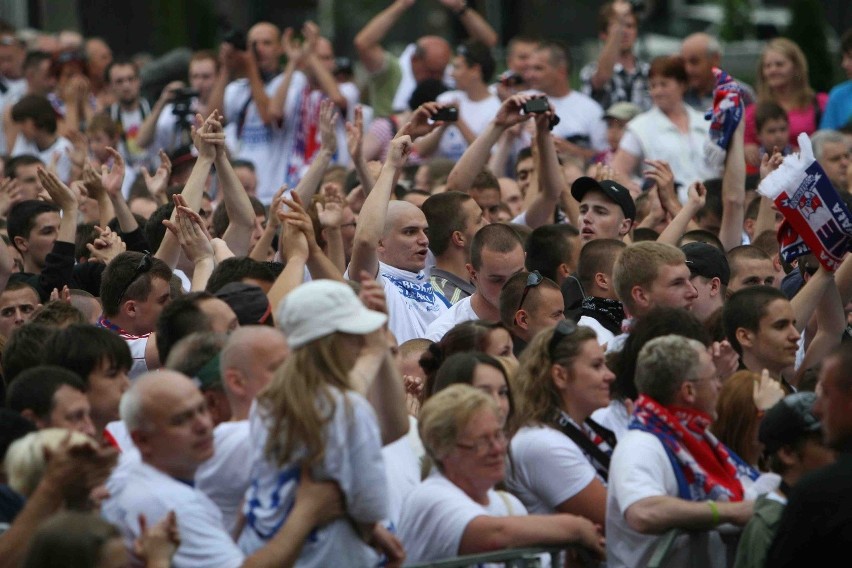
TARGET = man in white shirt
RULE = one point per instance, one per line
(390, 240)
(37, 134)
(168, 420)
(581, 130)
(130, 109)
(247, 364)
(529, 303)
(12, 83)
(496, 254)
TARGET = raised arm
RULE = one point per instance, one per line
(477, 154)
(678, 226)
(296, 53)
(733, 192)
(112, 179)
(552, 181)
(149, 126)
(310, 182)
(354, 143)
(293, 247)
(371, 221)
(369, 39)
(260, 252)
(806, 300)
(326, 81)
(830, 323)
(476, 26)
(188, 228)
(223, 77)
(609, 53)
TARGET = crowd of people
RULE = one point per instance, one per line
(288, 314)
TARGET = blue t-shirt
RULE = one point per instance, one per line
(838, 110)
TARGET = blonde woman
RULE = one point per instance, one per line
(312, 416)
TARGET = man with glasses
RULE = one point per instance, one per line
(529, 303)
(135, 288)
(496, 253)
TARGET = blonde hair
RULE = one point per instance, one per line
(803, 93)
(25, 463)
(444, 416)
(300, 399)
(639, 264)
(537, 398)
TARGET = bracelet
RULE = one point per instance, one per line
(715, 510)
(460, 12)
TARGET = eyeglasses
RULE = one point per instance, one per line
(145, 265)
(480, 446)
(533, 279)
(563, 329)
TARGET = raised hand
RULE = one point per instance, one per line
(510, 112)
(660, 172)
(697, 195)
(330, 211)
(372, 293)
(10, 193)
(191, 233)
(275, 206)
(420, 123)
(767, 391)
(106, 246)
(207, 134)
(59, 193)
(299, 219)
(156, 545)
(293, 49)
(355, 134)
(769, 164)
(113, 178)
(327, 121)
(400, 149)
(158, 183)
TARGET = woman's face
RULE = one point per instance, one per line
(491, 381)
(666, 93)
(777, 69)
(479, 457)
(589, 379)
(499, 343)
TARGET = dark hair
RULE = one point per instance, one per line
(496, 237)
(118, 282)
(670, 66)
(86, 234)
(35, 58)
(426, 91)
(12, 164)
(71, 539)
(557, 54)
(644, 234)
(547, 247)
(84, 348)
(701, 236)
(155, 231)
(597, 256)
(477, 53)
(13, 426)
(221, 220)
(745, 308)
(513, 289)
(25, 348)
(22, 217)
(33, 388)
(119, 62)
(37, 108)
(766, 111)
(485, 180)
(58, 313)
(606, 14)
(444, 216)
(657, 322)
(179, 318)
(248, 164)
(236, 268)
(459, 369)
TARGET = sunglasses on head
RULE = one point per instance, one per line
(145, 265)
(563, 329)
(533, 279)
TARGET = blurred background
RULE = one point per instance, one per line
(168, 28)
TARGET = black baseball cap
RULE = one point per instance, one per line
(614, 190)
(248, 301)
(707, 261)
(789, 420)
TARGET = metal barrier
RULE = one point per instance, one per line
(514, 558)
(680, 540)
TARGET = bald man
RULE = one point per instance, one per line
(390, 240)
(166, 416)
(247, 363)
(392, 79)
(254, 133)
(701, 52)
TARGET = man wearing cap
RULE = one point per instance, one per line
(816, 525)
(709, 272)
(606, 208)
(616, 117)
(617, 75)
(792, 442)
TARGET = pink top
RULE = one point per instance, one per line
(800, 119)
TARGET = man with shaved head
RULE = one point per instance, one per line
(392, 79)
(702, 52)
(390, 240)
(166, 416)
(247, 363)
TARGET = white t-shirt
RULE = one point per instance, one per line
(353, 459)
(459, 312)
(436, 513)
(547, 468)
(63, 166)
(604, 335)
(263, 145)
(580, 115)
(168, 134)
(412, 302)
(407, 83)
(652, 136)
(613, 417)
(640, 468)
(203, 539)
(402, 466)
(11, 92)
(225, 476)
(476, 114)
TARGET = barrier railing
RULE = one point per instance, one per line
(515, 558)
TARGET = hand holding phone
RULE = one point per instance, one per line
(446, 114)
(537, 106)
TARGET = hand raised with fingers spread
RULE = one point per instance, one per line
(61, 194)
(192, 235)
(355, 134)
(293, 49)
(92, 183)
(10, 193)
(159, 182)
(660, 172)
(327, 121)
(113, 178)
(157, 544)
(330, 210)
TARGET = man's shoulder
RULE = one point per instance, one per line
(844, 88)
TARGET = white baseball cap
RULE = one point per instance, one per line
(321, 307)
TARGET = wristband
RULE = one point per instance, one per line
(715, 510)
